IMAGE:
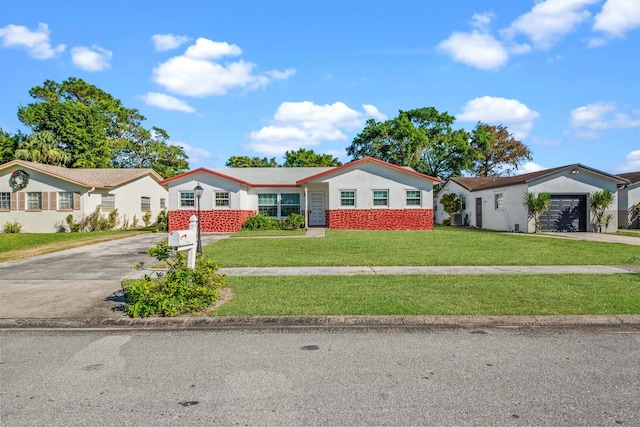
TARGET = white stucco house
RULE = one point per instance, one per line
(39, 196)
(629, 201)
(366, 194)
(496, 203)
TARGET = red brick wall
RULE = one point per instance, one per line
(380, 219)
(219, 221)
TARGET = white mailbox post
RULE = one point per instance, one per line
(185, 240)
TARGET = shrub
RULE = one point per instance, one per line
(146, 219)
(12, 227)
(96, 222)
(162, 221)
(260, 222)
(293, 222)
(181, 290)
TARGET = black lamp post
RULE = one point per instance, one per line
(198, 191)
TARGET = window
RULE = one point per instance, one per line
(163, 203)
(413, 198)
(268, 204)
(34, 201)
(380, 197)
(65, 201)
(347, 198)
(222, 199)
(5, 201)
(498, 201)
(463, 203)
(145, 204)
(108, 202)
(187, 199)
(289, 203)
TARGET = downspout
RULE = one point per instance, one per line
(87, 194)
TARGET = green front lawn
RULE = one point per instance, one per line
(434, 295)
(442, 246)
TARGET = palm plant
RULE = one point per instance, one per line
(600, 202)
(536, 205)
(42, 147)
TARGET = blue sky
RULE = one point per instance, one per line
(259, 78)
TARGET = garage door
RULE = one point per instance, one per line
(567, 213)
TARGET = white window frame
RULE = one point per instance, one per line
(499, 200)
(187, 202)
(344, 198)
(163, 203)
(279, 205)
(65, 200)
(5, 201)
(222, 199)
(414, 198)
(145, 204)
(378, 198)
(34, 201)
(108, 202)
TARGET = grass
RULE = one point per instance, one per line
(442, 246)
(24, 245)
(434, 295)
(269, 233)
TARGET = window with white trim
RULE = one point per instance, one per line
(5, 201)
(163, 203)
(380, 197)
(222, 199)
(187, 199)
(289, 203)
(108, 202)
(65, 200)
(463, 203)
(268, 204)
(498, 200)
(145, 204)
(347, 197)
(414, 197)
(278, 205)
(34, 200)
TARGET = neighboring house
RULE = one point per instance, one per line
(497, 203)
(366, 194)
(39, 196)
(628, 201)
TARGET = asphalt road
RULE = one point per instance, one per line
(484, 377)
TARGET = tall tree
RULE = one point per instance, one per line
(95, 129)
(42, 147)
(497, 152)
(251, 162)
(308, 158)
(8, 145)
(421, 138)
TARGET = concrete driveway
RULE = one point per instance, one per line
(79, 282)
(596, 237)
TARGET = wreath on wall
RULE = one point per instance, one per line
(19, 179)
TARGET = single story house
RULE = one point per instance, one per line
(40, 196)
(629, 201)
(497, 203)
(366, 194)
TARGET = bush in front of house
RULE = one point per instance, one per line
(12, 227)
(181, 290)
(260, 222)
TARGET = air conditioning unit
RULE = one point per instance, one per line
(457, 219)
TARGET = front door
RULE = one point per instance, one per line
(317, 215)
(479, 212)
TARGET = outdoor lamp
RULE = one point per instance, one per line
(198, 192)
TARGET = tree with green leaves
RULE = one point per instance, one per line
(8, 145)
(450, 203)
(536, 205)
(308, 158)
(421, 138)
(600, 202)
(42, 147)
(96, 131)
(251, 162)
(497, 152)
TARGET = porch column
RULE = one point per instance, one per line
(306, 207)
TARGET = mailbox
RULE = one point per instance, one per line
(182, 238)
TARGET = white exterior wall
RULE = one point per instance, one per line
(628, 199)
(369, 177)
(128, 199)
(238, 199)
(505, 218)
(452, 187)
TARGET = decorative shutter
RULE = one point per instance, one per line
(13, 197)
(44, 202)
(53, 201)
(76, 201)
(21, 200)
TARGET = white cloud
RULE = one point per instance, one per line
(372, 111)
(528, 167)
(196, 72)
(195, 153)
(91, 59)
(481, 21)
(632, 163)
(164, 42)
(549, 21)
(167, 102)
(479, 50)
(617, 17)
(591, 118)
(36, 42)
(305, 124)
(513, 114)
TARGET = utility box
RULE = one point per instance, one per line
(182, 238)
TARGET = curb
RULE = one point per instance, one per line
(294, 323)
